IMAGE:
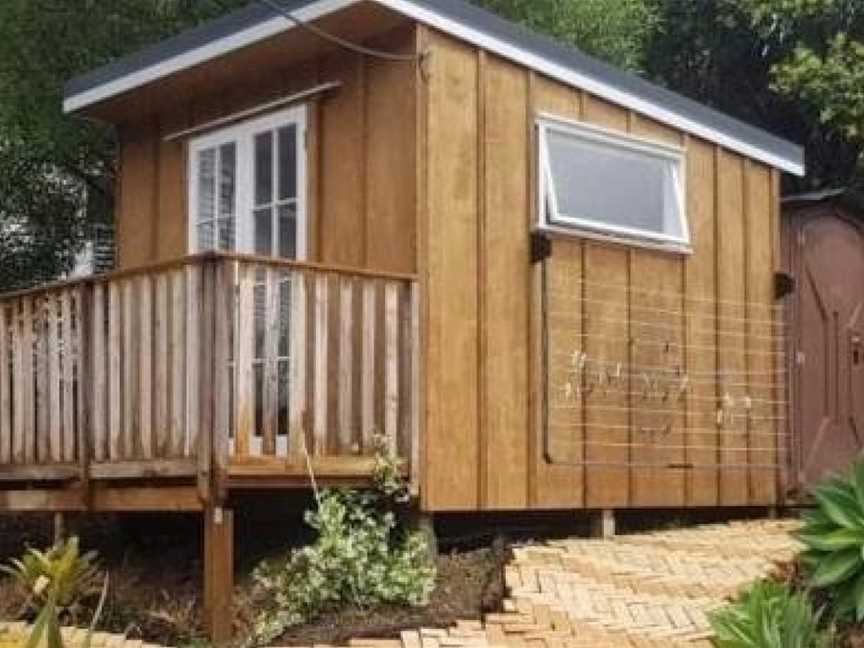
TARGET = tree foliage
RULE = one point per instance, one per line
(56, 171)
(614, 30)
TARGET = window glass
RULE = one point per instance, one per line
(263, 168)
(612, 185)
(288, 162)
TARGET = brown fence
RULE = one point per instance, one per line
(158, 371)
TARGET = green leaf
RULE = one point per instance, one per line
(837, 567)
(835, 540)
(839, 505)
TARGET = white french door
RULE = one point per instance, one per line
(247, 193)
(247, 187)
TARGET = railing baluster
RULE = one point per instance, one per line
(115, 404)
(391, 360)
(55, 420)
(70, 349)
(5, 386)
(243, 358)
(346, 364)
(100, 379)
(27, 374)
(298, 349)
(162, 359)
(270, 367)
(130, 374)
(145, 367)
(322, 341)
(193, 331)
(19, 382)
(224, 325)
(177, 442)
(370, 313)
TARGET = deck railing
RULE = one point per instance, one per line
(205, 365)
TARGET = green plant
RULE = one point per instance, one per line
(56, 581)
(361, 557)
(833, 534)
(769, 615)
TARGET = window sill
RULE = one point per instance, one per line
(557, 231)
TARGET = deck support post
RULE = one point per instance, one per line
(603, 524)
(218, 573)
(424, 524)
(59, 527)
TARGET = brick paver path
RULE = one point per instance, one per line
(652, 589)
(641, 591)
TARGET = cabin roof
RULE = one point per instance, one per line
(257, 22)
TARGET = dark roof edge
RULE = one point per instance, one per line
(256, 22)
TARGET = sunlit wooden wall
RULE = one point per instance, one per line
(702, 427)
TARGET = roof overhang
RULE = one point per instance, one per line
(469, 23)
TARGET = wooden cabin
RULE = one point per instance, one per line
(544, 282)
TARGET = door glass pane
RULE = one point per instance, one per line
(206, 184)
(205, 236)
(288, 231)
(264, 168)
(263, 231)
(226, 233)
(227, 179)
(287, 162)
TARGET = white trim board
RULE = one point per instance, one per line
(458, 29)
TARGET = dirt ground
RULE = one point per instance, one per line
(155, 584)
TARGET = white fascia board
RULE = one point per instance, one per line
(460, 30)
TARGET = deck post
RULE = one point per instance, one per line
(603, 524)
(218, 573)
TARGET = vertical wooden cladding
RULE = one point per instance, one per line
(361, 171)
(696, 315)
(452, 444)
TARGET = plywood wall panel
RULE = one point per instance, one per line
(136, 207)
(701, 363)
(342, 141)
(763, 352)
(732, 330)
(506, 252)
(607, 413)
(656, 331)
(452, 447)
(390, 159)
(558, 450)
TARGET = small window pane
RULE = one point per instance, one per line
(205, 236)
(264, 168)
(206, 184)
(613, 188)
(287, 162)
(227, 179)
(264, 231)
(288, 231)
(226, 233)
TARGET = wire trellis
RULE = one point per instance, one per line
(659, 379)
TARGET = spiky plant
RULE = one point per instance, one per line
(833, 534)
(769, 615)
(56, 581)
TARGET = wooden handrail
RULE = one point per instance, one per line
(201, 257)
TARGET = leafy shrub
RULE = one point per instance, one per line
(834, 536)
(56, 582)
(769, 615)
(361, 557)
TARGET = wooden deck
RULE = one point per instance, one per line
(200, 375)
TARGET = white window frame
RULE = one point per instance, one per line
(243, 135)
(550, 218)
